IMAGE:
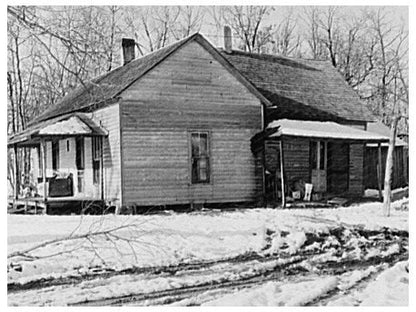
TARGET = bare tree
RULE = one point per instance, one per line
(312, 16)
(288, 41)
(246, 21)
(189, 21)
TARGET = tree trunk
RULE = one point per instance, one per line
(389, 168)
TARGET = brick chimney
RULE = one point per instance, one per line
(228, 39)
(128, 50)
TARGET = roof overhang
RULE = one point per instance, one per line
(70, 125)
(325, 130)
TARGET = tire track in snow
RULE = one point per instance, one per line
(375, 239)
(278, 273)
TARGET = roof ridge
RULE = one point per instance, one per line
(278, 56)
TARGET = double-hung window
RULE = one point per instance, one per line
(200, 167)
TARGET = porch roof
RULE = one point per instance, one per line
(322, 130)
(74, 124)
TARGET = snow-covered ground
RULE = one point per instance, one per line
(177, 238)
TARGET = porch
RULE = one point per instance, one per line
(64, 172)
(325, 157)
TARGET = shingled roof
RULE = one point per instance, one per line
(293, 86)
(298, 86)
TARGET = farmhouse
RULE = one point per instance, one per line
(191, 124)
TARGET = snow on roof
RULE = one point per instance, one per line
(65, 125)
(380, 128)
(73, 125)
(322, 129)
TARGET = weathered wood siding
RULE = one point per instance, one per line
(296, 159)
(356, 174)
(109, 118)
(188, 91)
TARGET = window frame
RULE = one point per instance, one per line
(197, 180)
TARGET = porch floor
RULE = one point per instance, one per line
(56, 205)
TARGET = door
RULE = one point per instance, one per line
(338, 167)
(318, 163)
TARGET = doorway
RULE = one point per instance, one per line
(318, 165)
(338, 167)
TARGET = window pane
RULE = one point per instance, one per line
(195, 144)
(194, 170)
(203, 144)
(203, 169)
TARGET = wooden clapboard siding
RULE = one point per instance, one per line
(189, 90)
(157, 171)
(356, 173)
(109, 118)
(296, 159)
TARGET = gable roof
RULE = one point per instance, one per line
(300, 85)
(106, 88)
(288, 84)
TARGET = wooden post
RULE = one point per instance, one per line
(263, 165)
(282, 174)
(389, 168)
(16, 173)
(43, 153)
(379, 169)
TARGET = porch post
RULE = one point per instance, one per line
(16, 174)
(102, 167)
(282, 174)
(379, 170)
(263, 166)
(43, 155)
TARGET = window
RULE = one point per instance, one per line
(200, 157)
(79, 153)
(96, 159)
(55, 155)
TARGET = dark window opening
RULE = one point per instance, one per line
(200, 166)
(55, 155)
(80, 153)
(40, 163)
